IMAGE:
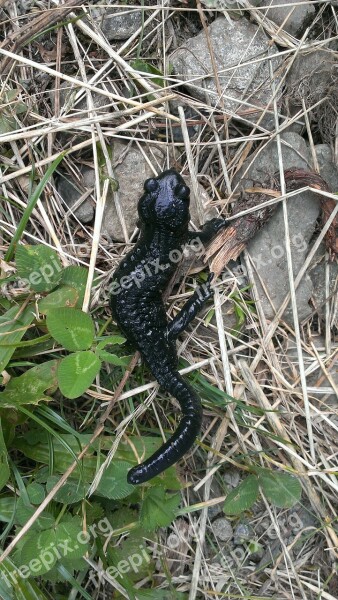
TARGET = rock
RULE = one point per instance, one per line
(295, 153)
(116, 23)
(313, 78)
(71, 191)
(323, 154)
(328, 169)
(317, 275)
(243, 533)
(190, 115)
(301, 517)
(215, 492)
(222, 529)
(233, 42)
(295, 18)
(329, 172)
(131, 170)
(311, 75)
(231, 478)
(267, 248)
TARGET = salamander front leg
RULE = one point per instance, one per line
(209, 230)
(190, 309)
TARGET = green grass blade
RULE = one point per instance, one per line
(31, 205)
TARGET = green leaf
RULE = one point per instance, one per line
(15, 586)
(64, 296)
(72, 491)
(157, 594)
(7, 507)
(71, 327)
(243, 497)
(12, 329)
(111, 340)
(42, 550)
(7, 123)
(113, 359)
(114, 483)
(76, 277)
(39, 265)
(144, 67)
(30, 387)
(65, 575)
(158, 508)
(8, 97)
(282, 489)
(34, 445)
(130, 560)
(24, 511)
(4, 468)
(36, 492)
(77, 372)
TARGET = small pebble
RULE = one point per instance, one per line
(222, 529)
(232, 478)
(243, 533)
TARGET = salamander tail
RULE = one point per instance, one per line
(183, 438)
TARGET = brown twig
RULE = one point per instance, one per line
(232, 241)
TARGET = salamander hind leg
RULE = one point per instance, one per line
(190, 309)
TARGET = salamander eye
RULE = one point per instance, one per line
(150, 185)
(182, 192)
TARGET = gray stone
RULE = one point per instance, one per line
(215, 492)
(311, 75)
(328, 169)
(324, 154)
(295, 153)
(295, 18)
(222, 529)
(116, 23)
(233, 43)
(267, 249)
(71, 191)
(313, 79)
(243, 533)
(131, 170)
(329, 172)
(317, 274)
(232, 477)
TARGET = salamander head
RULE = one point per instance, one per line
(165, 202)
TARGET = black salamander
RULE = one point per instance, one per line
(137, 305)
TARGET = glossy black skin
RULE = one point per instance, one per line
(138, 308)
